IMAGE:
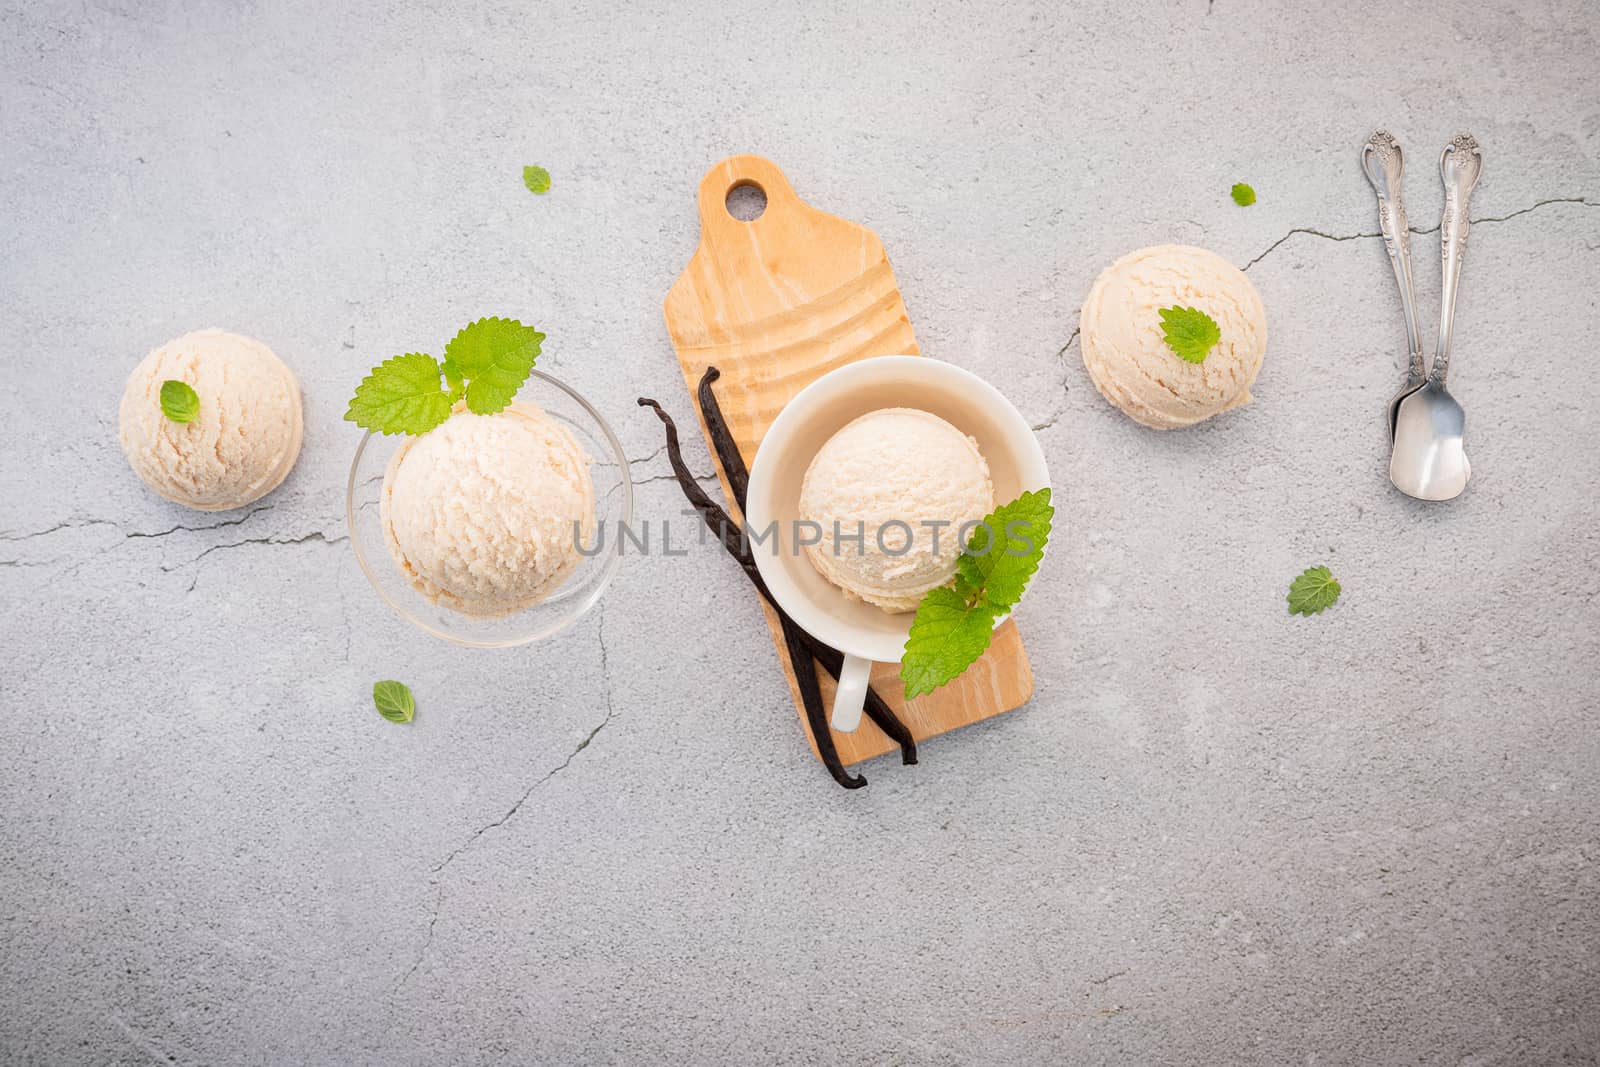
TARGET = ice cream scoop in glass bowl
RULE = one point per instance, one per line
(493, 530)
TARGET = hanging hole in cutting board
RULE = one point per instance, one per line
(746, 201)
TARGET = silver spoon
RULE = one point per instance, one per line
(1384, 165)
(1429, 461)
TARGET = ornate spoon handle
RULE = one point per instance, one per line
(1384, 165)
(1459, 166)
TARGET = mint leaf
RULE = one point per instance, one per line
(495, 356)
(1003, 553)
(1243, 195)
(1313, 592)
(394, 701)
(537, 179)
(946, 638)
(401, 395)
(955, 623)
(179, 401)
(1189, 332)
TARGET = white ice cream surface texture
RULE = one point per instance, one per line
(482, 513)
(895, 465)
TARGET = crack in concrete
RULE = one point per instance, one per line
(72, 524)
(69, 525)
(246, 517)
(438, 869)
(1061, 354)
(648, 458)
(1310, 231)
(642, 459)
(1047, 423)
(710, 476)
(313, 536)
(272, 539)
(657, 477)
(427, 942)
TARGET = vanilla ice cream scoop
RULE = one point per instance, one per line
(1127, 355)
(484, 513)
(245, 436)
(890, 493)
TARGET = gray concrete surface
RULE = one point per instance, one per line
(1217, 834)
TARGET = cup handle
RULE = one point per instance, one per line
(851, 696)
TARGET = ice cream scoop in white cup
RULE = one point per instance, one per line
(864, 632)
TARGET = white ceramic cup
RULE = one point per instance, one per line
(863, 632)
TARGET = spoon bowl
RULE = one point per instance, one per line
(1429, 460)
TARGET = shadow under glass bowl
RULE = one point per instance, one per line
(613, 497)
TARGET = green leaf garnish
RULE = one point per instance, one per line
(946, 638)
(1243, 195)
(1314, 591)
(486, 362)
(955, 623)
(179, 401)
(401, 395)
(454, 379)
(394, 701)
(495, 356)
(537, 179)
(1189, 332)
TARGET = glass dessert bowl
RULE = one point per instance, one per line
(592, 555)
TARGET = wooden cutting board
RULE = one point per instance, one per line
(774, 304)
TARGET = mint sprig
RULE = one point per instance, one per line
(179, 401)
(486, 362)
(955, 623)
(1189, 332)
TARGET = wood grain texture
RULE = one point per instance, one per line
(774, 304)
